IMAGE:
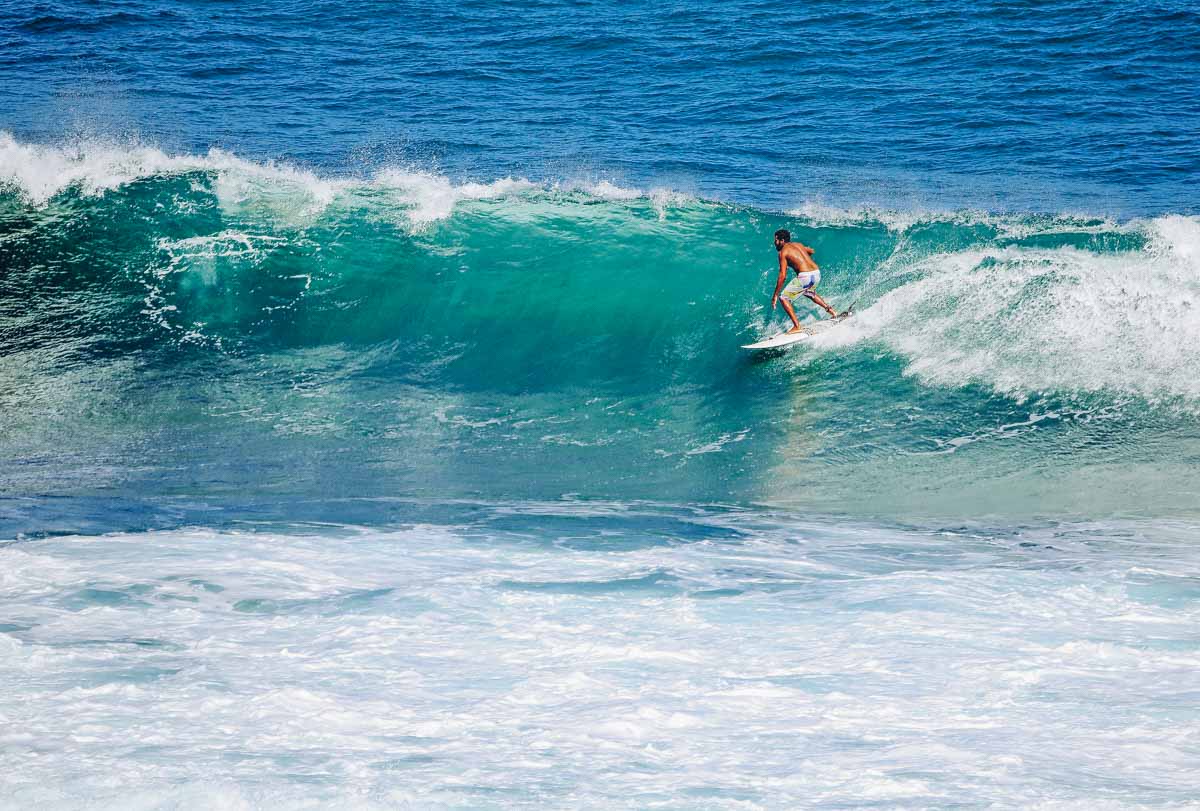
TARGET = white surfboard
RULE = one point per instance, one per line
(786, 339)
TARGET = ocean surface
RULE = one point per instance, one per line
(375, 432)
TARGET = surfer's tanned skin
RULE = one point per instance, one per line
(799, 258)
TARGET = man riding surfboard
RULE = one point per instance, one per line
(808, 276)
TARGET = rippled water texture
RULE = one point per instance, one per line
(1035, 106)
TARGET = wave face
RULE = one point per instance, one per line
(200, 323)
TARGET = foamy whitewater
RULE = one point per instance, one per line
(483, 665)
(375, 430)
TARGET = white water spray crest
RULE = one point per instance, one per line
(661, 198)
(1026, 321)
(1012, 226)
(280, 191)
(821, 214)
(607, 190)
(286, 195)
(40, 172)
(429, 197)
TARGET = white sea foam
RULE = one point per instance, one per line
(429, 197)
(271, 191)
(1030, 320)
(607, 190)
(40, 172)
(94, 167)
(661, 198)
(1010, 226)
(793, 665)
(826, 215)
(276, 191)
(293, 194)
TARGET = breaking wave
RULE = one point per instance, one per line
(549, 338)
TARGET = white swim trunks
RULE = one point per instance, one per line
(802, 283)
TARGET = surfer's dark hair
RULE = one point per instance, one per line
(784, 234)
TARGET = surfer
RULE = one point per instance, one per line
(808, 276)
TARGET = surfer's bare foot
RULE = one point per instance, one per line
(794, 330)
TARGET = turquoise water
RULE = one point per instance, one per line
(213, 328)
(376, 431)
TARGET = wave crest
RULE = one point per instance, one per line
(266, 253)
(277, 191)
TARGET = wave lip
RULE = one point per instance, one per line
(429, 197)
(39, 173)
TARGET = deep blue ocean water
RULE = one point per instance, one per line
(375, 432)
(1038, 106)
